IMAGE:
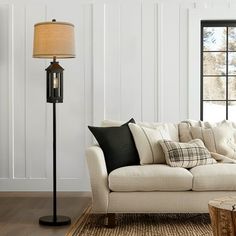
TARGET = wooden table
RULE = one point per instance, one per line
(223, 216)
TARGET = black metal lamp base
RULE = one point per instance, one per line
(49, 220)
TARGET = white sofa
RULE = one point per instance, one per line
(157, 188)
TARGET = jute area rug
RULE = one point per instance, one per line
(143, 225)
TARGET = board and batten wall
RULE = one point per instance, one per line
(132, 61)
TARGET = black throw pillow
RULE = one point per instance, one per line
(117, 144)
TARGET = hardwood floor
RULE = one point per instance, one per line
(19, 215)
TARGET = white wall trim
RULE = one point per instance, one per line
(42, 184)
(11, 91)
(194, 63)
(156, 92)
(159, 62)
(98, 63)
(60, 194)
(183, 59)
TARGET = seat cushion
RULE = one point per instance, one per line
(155, 177)
(215, 177)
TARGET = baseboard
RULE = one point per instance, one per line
(44, 194)
(43, 185)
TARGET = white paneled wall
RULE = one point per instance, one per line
(132, 61)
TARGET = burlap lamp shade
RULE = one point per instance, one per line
(54, 39)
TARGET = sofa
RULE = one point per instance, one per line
(158, 188)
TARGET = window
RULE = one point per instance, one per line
(218, 70)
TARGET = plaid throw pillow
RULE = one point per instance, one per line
(186, 155)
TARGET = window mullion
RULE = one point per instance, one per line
(227, 69)
(201, 82)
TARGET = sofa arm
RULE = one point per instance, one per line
(98, 179)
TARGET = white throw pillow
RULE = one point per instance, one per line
(185, 127)
(186, 155)
(146, 141)
(218, 139)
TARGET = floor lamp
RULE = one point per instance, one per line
(54, 40)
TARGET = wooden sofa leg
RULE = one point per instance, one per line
(111, 220)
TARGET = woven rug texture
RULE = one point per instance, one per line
(143, 225)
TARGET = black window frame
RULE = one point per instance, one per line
(216, 23)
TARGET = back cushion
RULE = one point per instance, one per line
(219, 139)
(173, 129)
(184, 132)
(185, 128)
(112, 123)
